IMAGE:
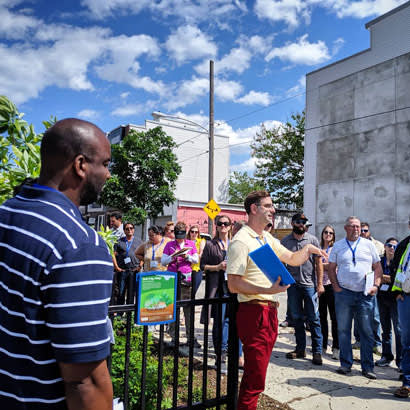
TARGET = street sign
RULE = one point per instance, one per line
(212, 209)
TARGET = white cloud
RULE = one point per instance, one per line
(124, 95)
(337, 45)
(189, 43)
(227, 90)
(128, 110)
(288, 11)
(187, 93)
(248, 166)
(298, 88)
(64, 55)
(363, 8)
(301, 52)
(189, 11)
(255, 97)
(239, 58)
(13, 25)
(88, 114)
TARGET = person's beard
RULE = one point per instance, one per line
(90, 193)
(298, 230)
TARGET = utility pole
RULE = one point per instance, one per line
(211, 141)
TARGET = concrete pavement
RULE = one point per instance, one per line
(303, 385)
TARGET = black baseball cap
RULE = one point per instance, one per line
(299, 215)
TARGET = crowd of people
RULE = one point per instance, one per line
(57, 282)
(328, 284)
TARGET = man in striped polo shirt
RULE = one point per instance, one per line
(55, 280)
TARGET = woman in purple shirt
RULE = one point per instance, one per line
(181, 263)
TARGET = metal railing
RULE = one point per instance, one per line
(224, 389)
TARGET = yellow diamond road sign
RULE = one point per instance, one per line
(212, 209)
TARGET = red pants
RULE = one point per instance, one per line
(258, 329)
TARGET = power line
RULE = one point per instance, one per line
(265, 108)
(357, 118)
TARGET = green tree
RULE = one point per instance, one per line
(19, 148)
(280, 154)
(144, 172)
(239, 186)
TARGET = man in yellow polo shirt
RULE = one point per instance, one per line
(257, 321)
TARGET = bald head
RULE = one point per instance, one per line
(66, 139)
(75, 155)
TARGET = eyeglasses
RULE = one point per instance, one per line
(300, 221)
(328, 232)
(223, 224)
(364, 230)
(391, 245)
(194, 231)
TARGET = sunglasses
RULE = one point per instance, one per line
(364, 230)
(391, 245)
(223, 224)
(300, 221)
(128, 229)
(328, 232)
(194, 231)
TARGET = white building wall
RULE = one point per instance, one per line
(192, 153)
(358, 133)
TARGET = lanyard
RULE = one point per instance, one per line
(155, 249)
(258, 239)
(128, 245)
(353, 250)
(327, 253)
(223, 245)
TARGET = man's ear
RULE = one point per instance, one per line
(80, 166)
(253, 208)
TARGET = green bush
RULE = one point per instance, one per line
(135, 368)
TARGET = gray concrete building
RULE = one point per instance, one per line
(357, 144)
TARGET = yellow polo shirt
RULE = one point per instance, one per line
(239, 263)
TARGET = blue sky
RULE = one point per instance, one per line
(115, 62)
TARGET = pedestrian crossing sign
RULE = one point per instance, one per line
(212, 209)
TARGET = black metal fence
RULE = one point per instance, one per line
(208, 363)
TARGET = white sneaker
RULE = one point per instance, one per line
(335, 354)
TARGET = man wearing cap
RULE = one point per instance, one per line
(256, 319)
(303, 296)
(355, 288)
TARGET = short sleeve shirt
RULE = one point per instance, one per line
(239, 262)
(303, 274)
(349, 275)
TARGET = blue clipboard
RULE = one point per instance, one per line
(267, 261)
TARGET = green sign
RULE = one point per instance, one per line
(156, 297)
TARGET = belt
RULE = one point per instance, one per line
(262, 302)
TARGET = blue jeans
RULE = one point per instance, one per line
(355, 305)
(217, 333)
(388, 314)
(403, 307)
(377, 334)
(304, 301)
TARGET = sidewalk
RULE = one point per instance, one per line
(303, 385)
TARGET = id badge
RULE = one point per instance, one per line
(384, 287)
(400, 277)
(127, 260)
(154, 264)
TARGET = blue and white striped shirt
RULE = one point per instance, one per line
(55, 286)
